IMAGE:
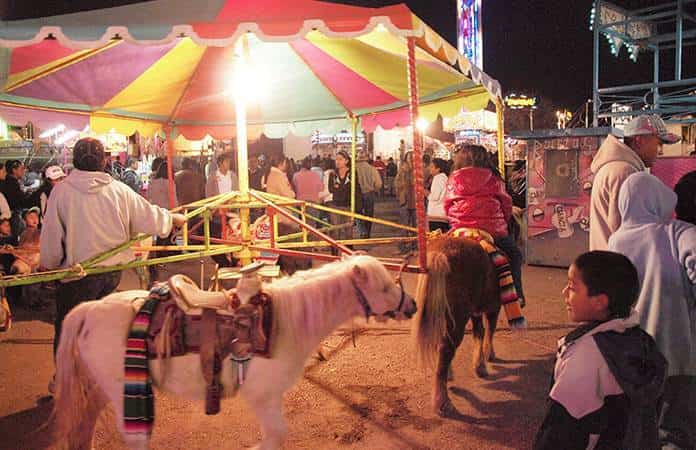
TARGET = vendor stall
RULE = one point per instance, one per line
(559, 183)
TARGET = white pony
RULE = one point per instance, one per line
(306, 308)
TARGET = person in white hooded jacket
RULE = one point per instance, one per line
(664, 253)
(613, 163)
(90, 213)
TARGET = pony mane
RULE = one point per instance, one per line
(308, 302)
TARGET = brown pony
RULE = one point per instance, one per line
(461, 284)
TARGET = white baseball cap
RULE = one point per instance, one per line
(650, 124)
(54, 173)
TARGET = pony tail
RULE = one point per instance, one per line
(72, 385)
(433, 308)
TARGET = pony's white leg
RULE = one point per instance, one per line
(267, 381)
(273, 427)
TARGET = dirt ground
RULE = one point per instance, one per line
(371, 395)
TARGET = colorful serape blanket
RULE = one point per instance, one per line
(138, 400)
(508, 293)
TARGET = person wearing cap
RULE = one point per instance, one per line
(52, 176)
(88, 214)
(370, 184)
(613, 163)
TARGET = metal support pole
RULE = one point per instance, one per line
(531, 119)
(500, 111)
(680, 38)
(595, 64)
(185, 231)
(353, 158)
(656, 77)
(422, 225)
(206, 228)
(170, 170)
(587, 113)
(303, 214)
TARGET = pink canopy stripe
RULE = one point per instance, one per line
(342, 81)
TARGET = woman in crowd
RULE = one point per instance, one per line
(340, 188)
(407, 199)
(158, 194)
(437, 219)
(158, 188)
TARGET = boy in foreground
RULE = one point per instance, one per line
(608, 374)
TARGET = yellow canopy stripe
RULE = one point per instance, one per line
(158, 89)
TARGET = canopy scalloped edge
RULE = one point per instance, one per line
(179, 31)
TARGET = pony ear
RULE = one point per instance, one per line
(359, 273)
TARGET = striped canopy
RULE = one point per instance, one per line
(137, 67)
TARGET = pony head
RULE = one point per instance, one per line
(377, 292)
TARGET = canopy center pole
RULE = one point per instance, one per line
(240, 103)
(353, 162)
(418, 187)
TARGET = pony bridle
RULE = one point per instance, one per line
(392, 313)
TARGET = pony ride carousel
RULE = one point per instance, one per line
(254, 339)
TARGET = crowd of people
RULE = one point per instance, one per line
(626, 378)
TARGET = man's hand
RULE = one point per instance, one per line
(178, 220)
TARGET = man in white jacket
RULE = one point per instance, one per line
(613, 163)
(90, 213)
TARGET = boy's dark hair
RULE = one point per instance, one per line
(278, 160)
(441, 164)
(686, 198)
(611, 274)
(88, 155)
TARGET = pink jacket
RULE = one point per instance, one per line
(475, 198)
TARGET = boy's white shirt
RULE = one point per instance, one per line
(582, 378)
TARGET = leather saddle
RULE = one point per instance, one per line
(213, 324)
(192, 299)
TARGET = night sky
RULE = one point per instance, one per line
(539, 47)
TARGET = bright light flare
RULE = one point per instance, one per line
(248, 83)
(422, 124)
(53, 131)
(66, 137)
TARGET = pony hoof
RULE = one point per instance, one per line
(447, 410)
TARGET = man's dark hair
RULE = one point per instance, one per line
(224, 157)
(88, 155)
(186, 164)
(611, 274)
(686, 198)
(307, 163)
